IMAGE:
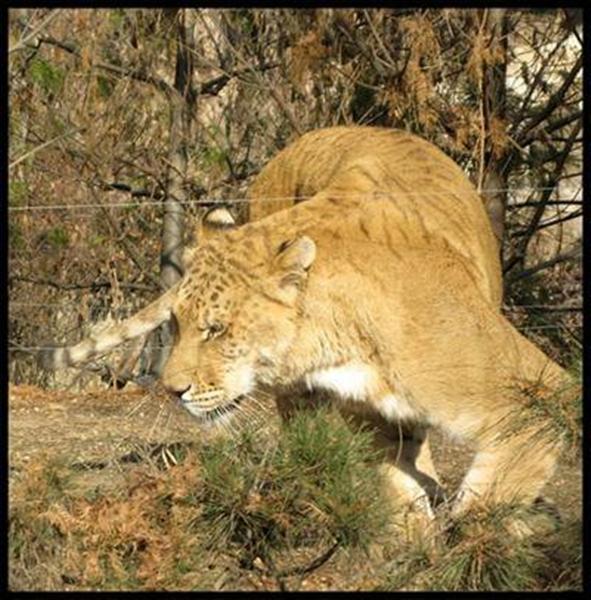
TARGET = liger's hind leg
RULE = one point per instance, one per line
(511, 470)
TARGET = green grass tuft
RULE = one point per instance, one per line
(314, 482)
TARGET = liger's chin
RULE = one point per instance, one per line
(213, 417)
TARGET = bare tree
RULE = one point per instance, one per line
(149, 114)
(492, 180)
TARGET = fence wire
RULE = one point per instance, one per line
(243, 200)
(31, 349)
(231, 201)
(511, 307)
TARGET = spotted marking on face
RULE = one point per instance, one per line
(220, 292)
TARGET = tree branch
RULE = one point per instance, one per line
(22, 43)
(78, 286)
(139, 75)
(135, 74)
(550, 127)
(215, 85)
(549, 203)
(535, 84)
(545, 198)
(121, 239)
(207, 88)
(554, 102)
(303, 569)
(559, 123)
(44, 145)
(524, 273)
(545, 224)
(134, 193)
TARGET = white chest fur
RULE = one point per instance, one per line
(398, 407)
(353, 380)
(360, 382)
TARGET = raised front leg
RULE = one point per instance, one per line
(410, 479)
(409, 476)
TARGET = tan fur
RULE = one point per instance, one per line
(382, 289)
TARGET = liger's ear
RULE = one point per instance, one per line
(214, 221)
(298, 253)
(293, 260)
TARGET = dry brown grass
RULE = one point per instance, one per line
(256, 513)
(222, 510)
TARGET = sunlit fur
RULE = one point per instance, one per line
(383, 288)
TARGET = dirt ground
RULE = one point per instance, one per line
(107, 429)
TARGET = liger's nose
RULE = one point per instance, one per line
(178, 392)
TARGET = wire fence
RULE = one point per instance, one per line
(508, 307)
(244, 200)
(15, 347)
(18, 348)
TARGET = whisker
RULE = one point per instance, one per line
(225, 420)
(252, 412)
(263, 410)
(257, 400)
(245, 418)
(245, 409)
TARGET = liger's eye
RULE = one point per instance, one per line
(213, 330)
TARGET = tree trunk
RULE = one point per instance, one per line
(493, 180)
(182, 106)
